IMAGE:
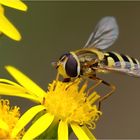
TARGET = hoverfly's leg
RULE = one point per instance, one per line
(57, 76)
(72, 83)
(113, 88)
(56, 80)
(98, 82)
(66, 80)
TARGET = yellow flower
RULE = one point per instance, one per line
(63, 105)
(6, 26)
(8, 119)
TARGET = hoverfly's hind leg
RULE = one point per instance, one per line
(99, 81)
(113, 88)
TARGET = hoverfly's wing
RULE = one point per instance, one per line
(124, 67)
(104, 35)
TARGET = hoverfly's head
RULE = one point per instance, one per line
(68, 65)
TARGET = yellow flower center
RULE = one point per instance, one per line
(67, 102)
(8, 118)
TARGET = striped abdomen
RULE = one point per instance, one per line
(120, 61)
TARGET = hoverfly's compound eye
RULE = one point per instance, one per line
(63, 57)
(71, 66)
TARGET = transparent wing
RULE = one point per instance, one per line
(124, 67)
(105, 33)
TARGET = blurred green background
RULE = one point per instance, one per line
(52, 28)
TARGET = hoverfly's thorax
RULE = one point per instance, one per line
(89, 53)
(99, 53)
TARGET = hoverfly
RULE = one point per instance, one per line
(91, 59)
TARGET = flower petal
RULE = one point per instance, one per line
(8, 29)
(63, 130)
(87, 131)
(25, 119)
(9, 82)
(10, 90)
(79, 132)
(3, 125)
(38, 127)
(17, 4)
(26, 82)
(92, 98)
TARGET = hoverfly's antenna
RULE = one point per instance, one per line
(54, 64)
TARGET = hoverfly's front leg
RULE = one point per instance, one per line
(105, 83)
(73, 81)
(56, 80)
(66, 79)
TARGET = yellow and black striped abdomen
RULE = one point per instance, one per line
(121, 63)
